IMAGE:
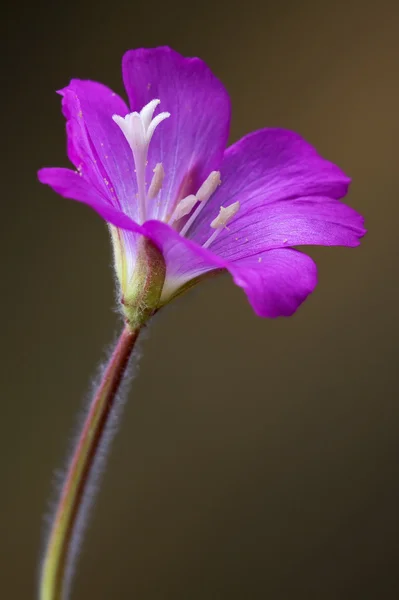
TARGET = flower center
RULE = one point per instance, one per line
(138, 129)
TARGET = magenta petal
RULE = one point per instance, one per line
(185, 260)
(303, 221)
(71, 185)
(276, 282)
(191, 142)
(267, 168)
(96, 145)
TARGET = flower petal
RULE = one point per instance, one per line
(276, 282)
(70, 184)
(287, 194)
(96, 145)
(191, 142)
(313, 220)
(184, 260)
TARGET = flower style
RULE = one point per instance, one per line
(170, 180)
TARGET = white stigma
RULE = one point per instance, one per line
(138, 129)
(156, 182)
(225, 215)
(204, 193)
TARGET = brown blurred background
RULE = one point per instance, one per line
(256, 459)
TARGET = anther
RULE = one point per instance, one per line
(209, 186)
(204, 193)
(184, 207)
(224, 216)
(156, 182)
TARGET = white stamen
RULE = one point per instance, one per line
(138, 129)
(183, 208)
(211, 238)
(204, 193)
(209, 186)
(224, 216)
(156, 182)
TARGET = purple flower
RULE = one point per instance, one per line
(171, 179)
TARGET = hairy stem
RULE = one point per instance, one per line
(57, 556)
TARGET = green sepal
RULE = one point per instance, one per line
(141, 297)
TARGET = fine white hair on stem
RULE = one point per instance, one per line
(98, 466)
